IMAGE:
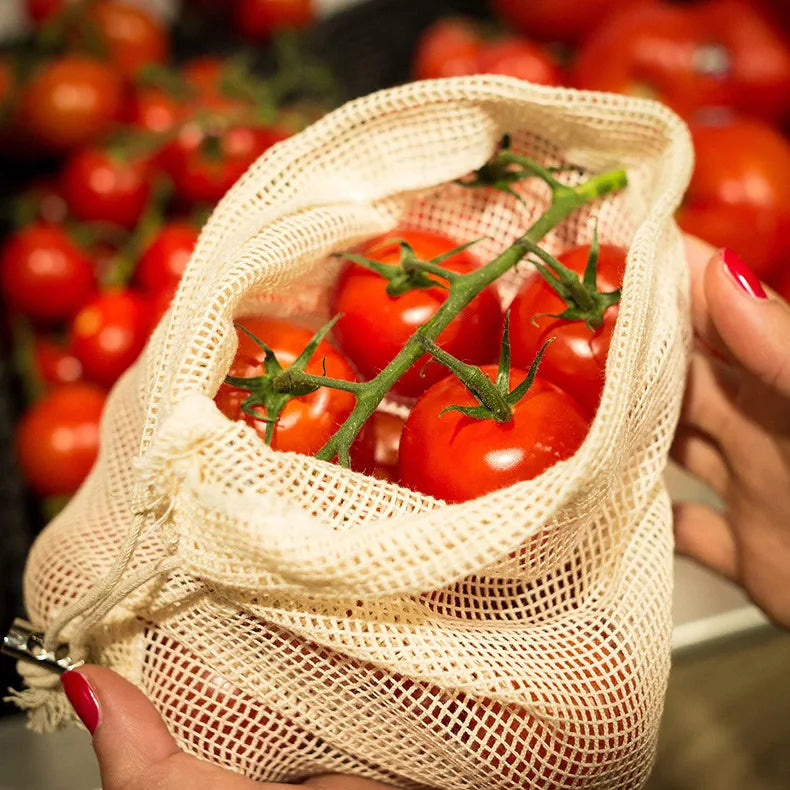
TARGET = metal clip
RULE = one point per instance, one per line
(24, 643)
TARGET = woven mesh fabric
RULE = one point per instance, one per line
(289, 617)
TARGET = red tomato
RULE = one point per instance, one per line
(55, 361)
(560, 20)
(455, 458)
(258, 19)
(110, 332)
(70, 102)
(450, 47)
(720, 53)
(7, 87)
(203, 74)
(155, 110)
(204, 173)
(131, 37)
(374, 326)
(307, 422)
(57, 440)
(576, 359)
(100, 186)
(43, 200)
(739, 195)
(44, 10)
(44, 274)
(164, 259)
(519, 57)
(387, 429)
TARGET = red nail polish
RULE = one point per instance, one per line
(82, 698)
(744, 277)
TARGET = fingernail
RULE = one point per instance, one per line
(743, 276)
(82, 698)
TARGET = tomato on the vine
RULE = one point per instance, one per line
(455, 457)
(109, 333)
(155, 110)
(43, 10)
(54, 361)
(259, 19)
(306, 422)
(576, 358)
(70, 101)
(374, 326)
(44, 274)
(739, 194)
(57, 440)
(103, 186)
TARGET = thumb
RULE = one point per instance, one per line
(132, 743)
(753, 324)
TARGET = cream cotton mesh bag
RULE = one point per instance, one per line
(289, 617)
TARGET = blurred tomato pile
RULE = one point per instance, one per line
(127, 132)
(723, 65)
(121, 145)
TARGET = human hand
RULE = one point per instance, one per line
(136, 752)
(734, 430)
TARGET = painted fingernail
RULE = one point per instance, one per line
(743, 276)
(82, 698)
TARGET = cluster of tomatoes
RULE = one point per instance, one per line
(723, 65)
(444, 447)
(123, 149)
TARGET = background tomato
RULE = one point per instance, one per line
(450, 47)
(70, 102)
(455, 458)
(722, 53)
(518, 57)
(555, 20)
(44, 274)
(130, 37)
(576, 359)
(739, 195)
(109, 333)
(57, 440)
(307, 422)
(54, 361)
(165, 257)
(373, 326)
(259, 19)
(100, 185)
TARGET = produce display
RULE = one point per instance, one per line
(116, 180)
(384, 393)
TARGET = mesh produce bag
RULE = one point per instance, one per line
(290, 617)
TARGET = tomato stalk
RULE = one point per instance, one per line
(495, 399)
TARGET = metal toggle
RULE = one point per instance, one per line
(24, 643)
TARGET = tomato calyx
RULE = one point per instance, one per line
(581, 295)
(410, 272)
(496, 400)
(506, 167)
(272, 390)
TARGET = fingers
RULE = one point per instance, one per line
(753, 325)
(701, 456)
(704, 535)
(132, 743)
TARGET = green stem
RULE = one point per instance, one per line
(463, 289)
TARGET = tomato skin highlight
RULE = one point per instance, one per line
(306, 422)
(456, 458)
(576, 358)
(373, 326)
(57, 440)
(44, 274)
